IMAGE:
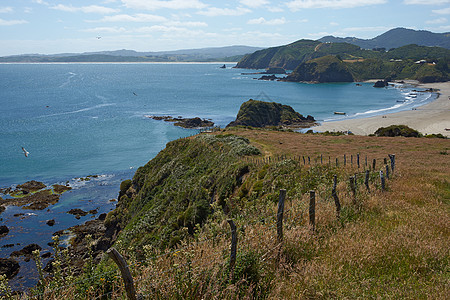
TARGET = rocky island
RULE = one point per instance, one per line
(257, 113)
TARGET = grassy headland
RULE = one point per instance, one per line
(391, 244)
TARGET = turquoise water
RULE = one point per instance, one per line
(82, 119)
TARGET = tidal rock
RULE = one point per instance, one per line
(4, 230)
(50, 222)
(381, 84)
(9, 267)
(27, 251)
(32, 186)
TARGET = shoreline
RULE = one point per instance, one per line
(431, 118)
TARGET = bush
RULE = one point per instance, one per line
(397, 130)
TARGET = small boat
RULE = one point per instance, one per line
(339, 113)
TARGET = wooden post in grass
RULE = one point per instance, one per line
(345, 160)
(233, 247)
(126, 275)
(352, 187)
(383, 183)
(321, 161)
(337, 162)
(366, 161)
(312, 210)
(392, 158)
(385, 160)
(351, 160)
(304, 161)
(366, 180)
(357, 159)
(374, 163)
(280, 215)
(387, 171)
(336, 199)
(309, 160)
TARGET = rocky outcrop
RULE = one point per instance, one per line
(27, 251)
(261, 114)
(324, 69)
(4, 230)
(31, 186)
(381, 84)
(185, 122)
(9, 267)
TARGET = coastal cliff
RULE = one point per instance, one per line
(261, 114)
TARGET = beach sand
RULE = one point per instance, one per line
(427, 119)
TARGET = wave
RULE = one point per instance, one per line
(78, 110)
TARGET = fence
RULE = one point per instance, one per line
(360, 180)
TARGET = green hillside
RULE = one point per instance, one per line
(323, 69)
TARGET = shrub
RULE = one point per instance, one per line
(397, 130)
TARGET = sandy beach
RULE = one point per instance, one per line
(427, 119)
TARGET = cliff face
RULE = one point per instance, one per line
(260, 114)
(323, 69)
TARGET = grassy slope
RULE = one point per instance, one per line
(390, 245)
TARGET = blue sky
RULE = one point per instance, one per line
(48, 26)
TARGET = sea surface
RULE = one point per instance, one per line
(77, 120)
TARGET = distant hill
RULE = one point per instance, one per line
(229, 53)
(395, 38)
(291, 55)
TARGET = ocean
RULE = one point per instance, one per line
(77, 120)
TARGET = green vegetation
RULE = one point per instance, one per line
(257, 113)
(397, 130)
(399, 63)
(324, 69)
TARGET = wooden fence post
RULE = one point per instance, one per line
(304, 161)
(366, 180)
(387, 171)
(345, 160)
(392, 157)
(357, 160)
(351, 160)
(309, 160)
(233, 247)
(383, 183)
(126, 275)
(374, 163)
(321, 161)
(336, 199)
(280, 215)
(312, 210)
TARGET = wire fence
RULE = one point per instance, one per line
(364, 179)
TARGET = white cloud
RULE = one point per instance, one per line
(214, 11)
(275, 9)
(158, 4)
(426, 2)
(334, 24)
(11, 22)
(132, 18)
(437, 21)
(40, 2)
(444, 11)
(304, 4)
(367, 29)
(186, 24)
(4, 10)
(106, 29)
(263, 21)
(254, 3)
(85, 9)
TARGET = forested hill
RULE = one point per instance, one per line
(292, 55)
(395, 38)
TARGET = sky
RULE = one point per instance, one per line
(76, 26)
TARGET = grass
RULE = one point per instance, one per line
(392, 244)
